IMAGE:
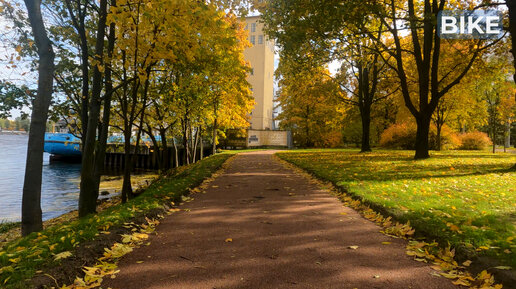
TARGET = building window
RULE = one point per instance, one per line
(260, 39)
(252, 39)
(253, 27)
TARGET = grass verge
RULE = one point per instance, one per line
(6, 226)
(466, 199)
(21, 259)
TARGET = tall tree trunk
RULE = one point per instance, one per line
(438, 137)
(186, 157)
(507, 141)
(127, 189)
(31, 200)
(103, 136)
(134, 156)
(88, 194)
(215, 123)
(158, 152)
(423, 129)
(194, 146)
(365, 113)
(201, 148)
(214, 138)
(493, 131)
(176, 159)
(164, 147)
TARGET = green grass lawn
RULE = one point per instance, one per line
(466, 198)
(20, 259)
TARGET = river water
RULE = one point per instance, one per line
(60, 187)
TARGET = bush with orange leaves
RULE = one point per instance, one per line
(403, 136)
(474, 141)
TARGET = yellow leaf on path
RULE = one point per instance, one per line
(467, 263)
(503, 267)
(461, 282)
(62, 255)
(450, 275)
(386, 243)
(343, 213)
(353, 247)
(228, 240)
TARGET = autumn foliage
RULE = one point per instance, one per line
(474, 141)
(403, 136)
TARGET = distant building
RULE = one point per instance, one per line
(261, 57)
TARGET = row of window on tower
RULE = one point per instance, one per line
(253, 27)
(252, 39)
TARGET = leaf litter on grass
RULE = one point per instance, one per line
(442, 258)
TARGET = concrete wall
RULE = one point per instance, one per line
(274, 138)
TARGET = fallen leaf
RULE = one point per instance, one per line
(502, 267)
(461, 282)
(386, 243)
(353, 247)
(62, 255)
(228, 240)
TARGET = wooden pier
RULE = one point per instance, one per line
(147, 157)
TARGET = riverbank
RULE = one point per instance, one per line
(38, 255)
(110, 188)
(13, 132)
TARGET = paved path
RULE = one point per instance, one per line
(286, 232)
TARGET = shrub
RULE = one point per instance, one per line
(449, 139)
(400, 136)
(475, 141)
(403, 136)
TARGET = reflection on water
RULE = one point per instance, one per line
(60, 187)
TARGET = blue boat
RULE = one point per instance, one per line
(62, 144)
(67, 146)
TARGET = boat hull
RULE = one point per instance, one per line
(62, 144)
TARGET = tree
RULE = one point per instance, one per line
(309, 32)
(310, 102)
(89, 184)
(368, 74)
(511, 5)
(424, 48)
(31, 202)
(13, 97)
(507, 111)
